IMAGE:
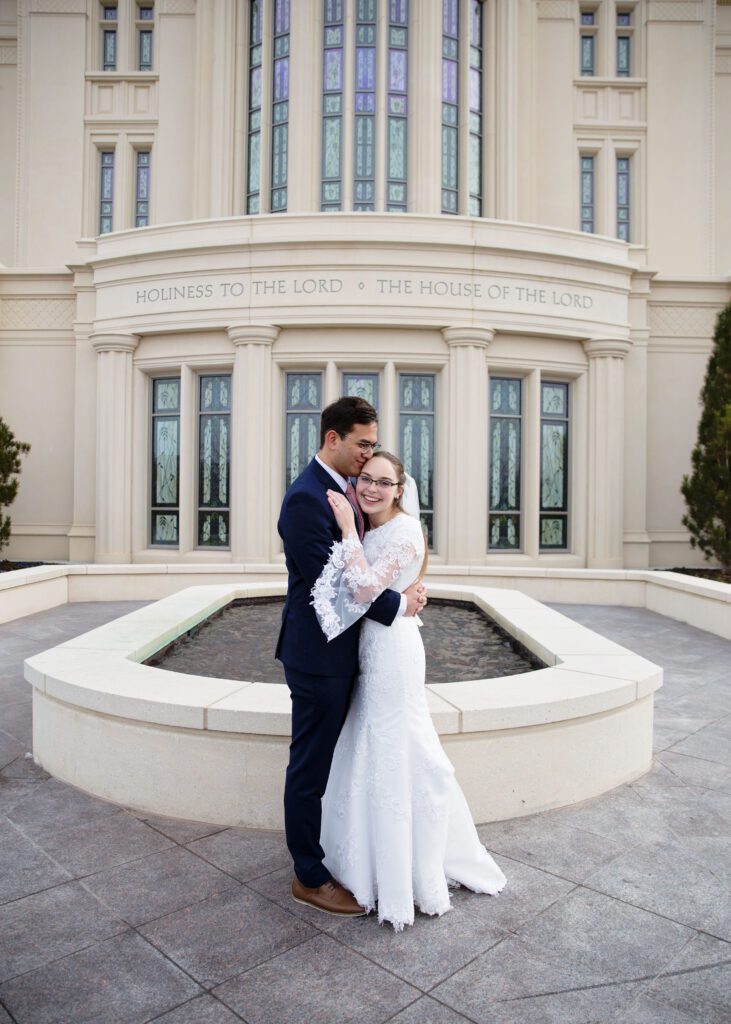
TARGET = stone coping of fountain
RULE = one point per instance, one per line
(101, 670)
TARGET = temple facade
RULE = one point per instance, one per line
(506, 223)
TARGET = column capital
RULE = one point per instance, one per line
(252, 334)
(114, 341)
(617, 347)
(476, 337)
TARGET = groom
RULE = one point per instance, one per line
(320, 675)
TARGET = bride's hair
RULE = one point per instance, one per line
(401, 477)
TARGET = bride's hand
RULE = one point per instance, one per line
(343, 511)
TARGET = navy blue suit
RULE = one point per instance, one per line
(320, 675)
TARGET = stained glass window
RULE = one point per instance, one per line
(214, 461)
(253, 170)
(475, 94)
(505, 464)
(280, 106)
(364, 385)
(331, 197)
(397, 105)
(554, 465)
(586, 184)
(142, 189)
(145, 14)
(623, 198)
(109, 37)
(106, 191)
(417, 439)
(364, 169)
(587, 43)
(303, 408)
(624, 21)
(450, 105)
(165, 477)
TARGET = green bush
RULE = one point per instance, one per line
(707, 490)
(10, 452)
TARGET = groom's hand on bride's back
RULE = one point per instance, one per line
(415, 598)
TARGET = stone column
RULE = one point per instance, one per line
(466, 464)
(605, 491)
(506, 136)
(114, 446)
(254, 467)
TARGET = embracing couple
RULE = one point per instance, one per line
(373, 813)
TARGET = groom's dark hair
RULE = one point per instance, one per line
(343, 415)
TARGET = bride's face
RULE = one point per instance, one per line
(377, 486)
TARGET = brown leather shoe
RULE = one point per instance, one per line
(331, 898)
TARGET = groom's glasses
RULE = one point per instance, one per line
(369, 447)
(382, 485)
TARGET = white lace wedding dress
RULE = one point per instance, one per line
(396, 828)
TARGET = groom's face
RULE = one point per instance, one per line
(350, 453)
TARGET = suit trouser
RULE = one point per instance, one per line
(319, 706)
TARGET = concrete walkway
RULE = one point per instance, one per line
(616, 910)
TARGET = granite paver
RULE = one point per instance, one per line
(616, 910)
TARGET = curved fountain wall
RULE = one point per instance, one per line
(215, 750)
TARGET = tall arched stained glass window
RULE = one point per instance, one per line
(280, 105)
(450, 105)
(253, 163)
(398, 99)
(476, 27)
(331, 197)
(364, 174)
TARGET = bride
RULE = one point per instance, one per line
(396, 828)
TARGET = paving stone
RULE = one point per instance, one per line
(320, 981)
(584, 940)
(101, 843)
(5, 1017)
(427, 953)
(120, 981)
(673, 880)
(49, 925)
(713, 743)
(24, 768)
(54, 805)
(694, 771)
(17, 721)
(244, 854)
(527, 894)
(570, 853)
(686, 811)
(202, 1010)
(13, 792)
(10, 749)
(670, 728)
(700, 995)
(158, 885)
(182, 832)
(623, 815)
(428, 1011)
(226, 934)
(24, 869)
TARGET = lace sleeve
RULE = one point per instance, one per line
(348, 585)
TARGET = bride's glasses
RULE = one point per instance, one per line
(382, 485)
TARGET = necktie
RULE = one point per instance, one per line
(359, 521)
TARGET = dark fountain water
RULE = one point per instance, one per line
(238, 643)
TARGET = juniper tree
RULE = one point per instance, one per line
(707, 490)
(10, 452)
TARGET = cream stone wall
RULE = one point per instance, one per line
(86, 321)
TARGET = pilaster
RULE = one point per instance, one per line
(253, 469)
(425, 97)
(605, 484)
(81, 532)
(467, 444)
(114, 446)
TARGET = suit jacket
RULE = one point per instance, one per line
(308, 528)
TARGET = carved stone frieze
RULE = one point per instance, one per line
(36, 314)
(683, 321)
